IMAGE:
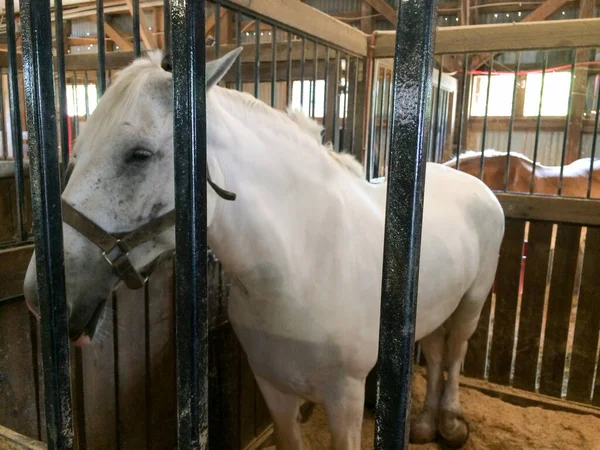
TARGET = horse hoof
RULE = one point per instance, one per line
(453, 428)
(423, 428)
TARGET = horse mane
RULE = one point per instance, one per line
(313, 128)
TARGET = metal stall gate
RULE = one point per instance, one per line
(186, 21)
(527, 125)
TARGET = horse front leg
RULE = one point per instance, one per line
(285, 413)
(344, 402)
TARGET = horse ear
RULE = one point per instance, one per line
(216, 70)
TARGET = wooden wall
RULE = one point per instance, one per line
(124, 384)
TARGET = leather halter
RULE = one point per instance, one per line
(116, 246)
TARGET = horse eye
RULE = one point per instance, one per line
(139, 154)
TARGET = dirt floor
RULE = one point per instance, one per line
(495, 425)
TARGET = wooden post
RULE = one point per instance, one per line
(367, 21)
(579, 91)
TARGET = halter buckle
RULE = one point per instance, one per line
(123, 252)
(122, 266)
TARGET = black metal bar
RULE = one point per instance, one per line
(303, 48)
(538, 124)
(313, 97)
(345, 104)
(384, 90)
(485, 117)
(238, 63)
(101, 81)
(372, 126)
(167, 25)
(336, 104)
(326, 89)
(436, 119)
(16, 128)
(273, 66)
(354, 103)
(388, 121)
(217, 13)
(189, 134)
(36, 31)
(415, 36)
(594, 143)
(512, 121)
(461, 108)
(3, 123)
(62, 84)
(76, 103)
(439, 151)
(567, 120)
(288, 85)
(87, 96)
(257, 59)
(135, 17)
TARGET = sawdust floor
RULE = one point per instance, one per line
(495, 425)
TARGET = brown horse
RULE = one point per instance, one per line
(575, 175)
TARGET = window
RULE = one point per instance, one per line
(319, 98)
(501, 95)
(78, 95)
(555, 99)
(297, 94)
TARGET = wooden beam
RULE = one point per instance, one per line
(385, 9)
(145, 31)
(575, 33)
(545, 10)
(116, 36)
(551, 209)
(578, 91)
(367, 21)
(465, 12)
(10, 440)
(299, 16)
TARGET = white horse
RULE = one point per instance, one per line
(303, 242)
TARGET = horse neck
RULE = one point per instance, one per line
(278, 178)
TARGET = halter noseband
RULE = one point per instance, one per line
(116, 246)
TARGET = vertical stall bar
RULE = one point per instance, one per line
(326, 89)
(372, 127)
(567, 120)
(485, 117)
(389, 112)
(87, 96)
(538, 123)
(76, 103)
(413, 62)
(354, 103)
(189, 135)
(62, 84)
(217, 15)
(101, 77)
(345, 103)
(313, 98)
(167, 26)
(238, 63)
(512, 121)
(336, 104)
(461, 108)
(288, 85)
(45, 196)
(135, 17)
(3, 122)
(382, 108)
(16, 128)
(273, 66)
(436, 119)
(594, 143)
(257, 59)
(302, 58)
